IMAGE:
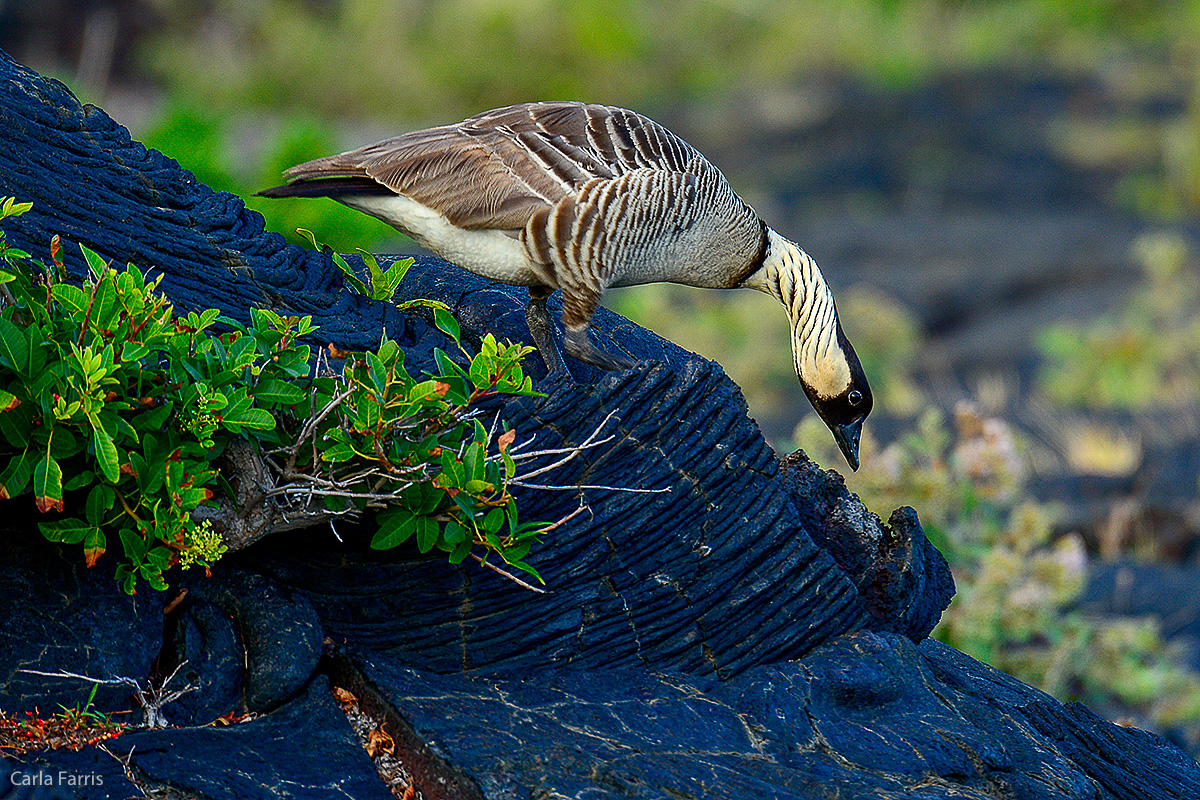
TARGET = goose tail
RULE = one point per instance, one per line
(327, 187)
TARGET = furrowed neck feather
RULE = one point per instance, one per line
(794, 279)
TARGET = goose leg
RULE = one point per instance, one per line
(578, 343)
(537, 317)
(578, 308)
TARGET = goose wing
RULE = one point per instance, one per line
(497, 169)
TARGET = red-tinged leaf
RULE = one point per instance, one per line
(94, 546)
(47, 485)
(8, 401)
(441, 388)
(505, 439)
(55, 246)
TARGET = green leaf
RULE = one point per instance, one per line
(377, 287)
(239, 414)
(17, 426)
(455, 532)
(453, 474)
(155, 579)
(431, 498)
(521, 565)
(465, 502)
(264, 319)
(473, 462)
(65, 443)
(461, 551)
(274, 390)
(134, 545)
(73, 481)
(103, 315)
(15, 476)
(446, 366)
(493, 521)
(395, 526)
(427, 533)
(67, 531)
(422, 391)
(14, 347)
(36, 349)
(71, 296)
(340, 451)
(99, 502)
(12, 208)
(394, 274)
(481, 372)
(134, 351)
(447, 324)
(106, 454)
(390, 351)
(516, 552)
(47, 485)
(154, 419)
(378, 373)
(95, 262)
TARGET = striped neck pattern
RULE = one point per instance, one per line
(792, 277)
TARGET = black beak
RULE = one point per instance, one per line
(847, 438)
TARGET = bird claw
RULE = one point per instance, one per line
(579, 344)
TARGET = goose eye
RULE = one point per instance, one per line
(855, 397)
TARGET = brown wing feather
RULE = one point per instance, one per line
(497, 169)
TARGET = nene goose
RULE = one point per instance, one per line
(582, 197)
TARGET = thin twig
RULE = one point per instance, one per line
(564, 520)
(151, 706)
(573, 487)
(508, 575)
(62, 673)
(571, 452)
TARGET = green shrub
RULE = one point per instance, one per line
(115, 412)
(1145, 354)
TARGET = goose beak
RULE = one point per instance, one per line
(847, 438)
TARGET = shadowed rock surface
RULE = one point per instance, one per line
(749, 631)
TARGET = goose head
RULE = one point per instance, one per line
(834, 381)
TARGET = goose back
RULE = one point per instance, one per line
(598, 195)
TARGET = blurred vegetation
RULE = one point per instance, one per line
(210, 147)
(413, 59)
(1017, 585)
(1147, 354)
(255, 87)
